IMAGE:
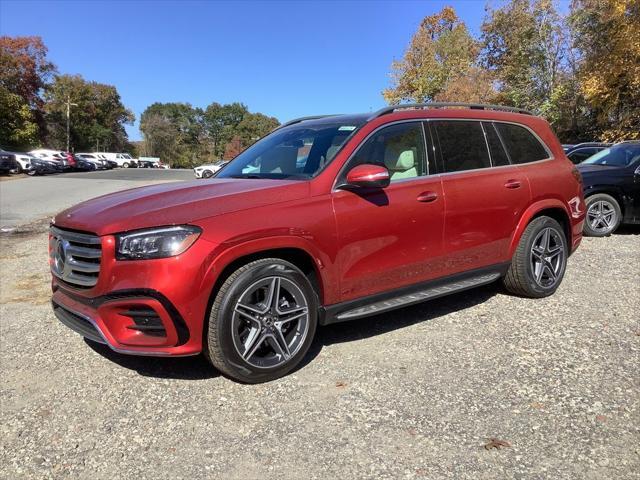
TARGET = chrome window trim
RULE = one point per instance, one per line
(536, 136)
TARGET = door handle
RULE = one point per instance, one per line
(427, 197)
(513, 184)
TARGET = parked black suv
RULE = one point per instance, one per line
(7, 162)
(612, 188)
(580, 152)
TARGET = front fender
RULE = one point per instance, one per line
(226, 253)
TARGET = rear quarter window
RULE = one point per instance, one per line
(522, 145)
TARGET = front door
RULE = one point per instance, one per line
(391, 237)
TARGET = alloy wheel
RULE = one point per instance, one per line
(270, 322)
(602, 216)
(547, 257)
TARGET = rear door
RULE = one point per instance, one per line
(484, 194)
(392, 237)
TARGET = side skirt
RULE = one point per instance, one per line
(387, 301)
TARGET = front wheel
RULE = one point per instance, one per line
(262, 321)
(539, 263)
(207, 174)
(603, 215)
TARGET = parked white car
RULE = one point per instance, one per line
(208, 170)
(123, 160)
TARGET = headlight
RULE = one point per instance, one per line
(156, 243)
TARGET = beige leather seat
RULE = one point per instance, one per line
(400, 162)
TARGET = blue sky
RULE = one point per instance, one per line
(285, 58)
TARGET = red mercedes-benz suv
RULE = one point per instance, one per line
(324, 220)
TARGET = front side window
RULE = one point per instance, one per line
(399, 148)
(296, 152)
(461, 145)
(522, 146)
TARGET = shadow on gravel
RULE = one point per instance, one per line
(198, 368)
(397, 319)
(180, 368)
(628, 230)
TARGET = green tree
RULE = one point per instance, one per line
(24, 72)
(220, 124)
(441, 54)
(524, 47)
(174, 132)
(255, 126)
(98, 118)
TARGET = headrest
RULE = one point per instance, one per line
(399, 160)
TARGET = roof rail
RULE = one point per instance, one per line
(302, 119)
(473, 106)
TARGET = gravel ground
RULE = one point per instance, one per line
(416, 393)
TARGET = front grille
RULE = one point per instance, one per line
(75, 257)
(77, 323)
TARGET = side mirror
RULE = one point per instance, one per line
(368, 176)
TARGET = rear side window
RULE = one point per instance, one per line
(498, 155)
(462, 146)
(522, 146)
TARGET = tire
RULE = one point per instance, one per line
(539, 262)
(125, 165)
(32, 173)
(603, 215)
(207, 174)
(232, 325)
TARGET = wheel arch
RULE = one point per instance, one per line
(552, 208)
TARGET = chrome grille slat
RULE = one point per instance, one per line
(79, 266)
(85, 252)
(75, 257)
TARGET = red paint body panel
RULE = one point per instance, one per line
(360, 244)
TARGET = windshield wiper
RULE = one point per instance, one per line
(247, 175)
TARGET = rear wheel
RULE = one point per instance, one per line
(539, 263)
(262, 321)
(125, 165)
(603, 215)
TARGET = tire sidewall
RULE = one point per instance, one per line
(240, 368)
(541, 224)
(609, 199)
(207, 174)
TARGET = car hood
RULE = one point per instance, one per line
(595, 168)
(176, 203)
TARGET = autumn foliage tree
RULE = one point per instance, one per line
(607, 37)
(439, 64)
(24, 72)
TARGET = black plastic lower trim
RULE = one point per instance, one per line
(178, 322)
(417, 293)
(77, 323)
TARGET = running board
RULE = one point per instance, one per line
(405, 299)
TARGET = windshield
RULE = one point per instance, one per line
(296, 152)
(618, 156)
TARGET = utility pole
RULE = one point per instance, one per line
(69, 104)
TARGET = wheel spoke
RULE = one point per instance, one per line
(550, 272)
(279, 344)
(253, 342)
(273, 293)
(538, 271)
(248, 312)
(292, 314)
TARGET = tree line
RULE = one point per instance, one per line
(580, 70)
(35, 99)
